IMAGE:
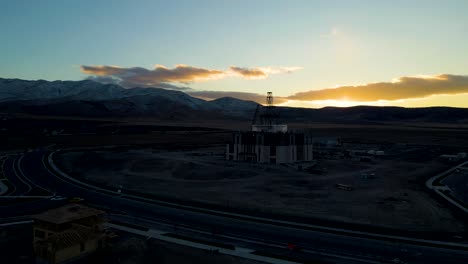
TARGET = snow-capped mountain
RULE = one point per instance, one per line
(19, 90)
(93, 98)
(234, 103)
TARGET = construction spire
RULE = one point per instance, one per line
(269, 99)
(266, 117)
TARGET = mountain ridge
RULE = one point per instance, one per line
(89, 98)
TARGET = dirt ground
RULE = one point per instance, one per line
(390, 195)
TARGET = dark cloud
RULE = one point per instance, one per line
(403, 88)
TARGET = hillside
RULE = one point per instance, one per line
(91, 99)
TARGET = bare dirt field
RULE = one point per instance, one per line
(393, 196)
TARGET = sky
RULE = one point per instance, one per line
(308, 53)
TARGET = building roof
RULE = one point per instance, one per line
(73, 236)
(67, 213)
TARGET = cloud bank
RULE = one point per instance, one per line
(407, 87)
(402, 88)
(184, 74)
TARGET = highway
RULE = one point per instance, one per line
(22, 186)
(458, 184)
(32, 170)
(9, 169)
(453, 182)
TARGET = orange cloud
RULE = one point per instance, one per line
(261, 72)
(247, 73)
(137, 76)
(102, 70)
(382, 93)
(401, 88)
(141, 77)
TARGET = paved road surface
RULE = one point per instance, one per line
(33, 167)
(458, 183)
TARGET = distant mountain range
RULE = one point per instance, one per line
(376, 115)
(92, 99)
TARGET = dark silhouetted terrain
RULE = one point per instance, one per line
(92, 99)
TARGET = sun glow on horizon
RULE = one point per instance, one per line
(459, 100)
(323, 103)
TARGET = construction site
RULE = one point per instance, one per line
(269, 141)
(272, 170)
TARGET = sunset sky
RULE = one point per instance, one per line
(308, 53)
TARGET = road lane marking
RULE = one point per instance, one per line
(19, 177)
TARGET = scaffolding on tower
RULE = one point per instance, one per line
(266, 118)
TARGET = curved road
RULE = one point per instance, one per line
(370, 250)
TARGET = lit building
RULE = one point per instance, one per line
(67, 233)
(269, 141)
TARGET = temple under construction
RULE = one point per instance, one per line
(269, 141)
